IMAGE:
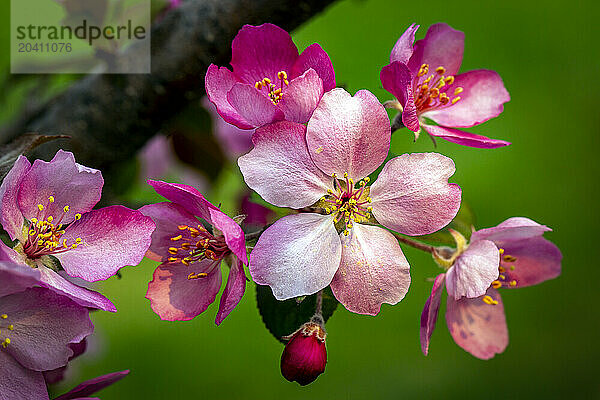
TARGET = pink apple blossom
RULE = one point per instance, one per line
(424, 78)
(189, 277)
(520, 257)
(325, 166)
(270, 81)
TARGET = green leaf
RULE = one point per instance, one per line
(22, 144)
(463, 222)
(284, 317)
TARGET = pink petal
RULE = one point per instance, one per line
(280, 169)
(11, 218)
(474, 270)
(296, 256)
(167, 217)
(316, 58)
(441, 47)
(82, 296)
(19, 382)
(69, 183)
(261, 52)
(234, 290)
(186, 196)
(537, 260)
(397, 79)
(515, 228)
(403, 49)
(174, 297)
(412, 194)
(430, 312)
(479, 328)
(301, 97)
(92, 386)
(349, 134)
(373, 270)
(234, 141)
(464, 138)
(218, 83)
(482, 98)
(15, 278)
(233, 233)
(254, 106)
(112, 237)
(45, 323)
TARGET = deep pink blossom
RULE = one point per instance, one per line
(474, 309)
(328, 162)
(305, 356)
(270, 81)
(89, 387)
(189, 277)
(424, 78)
(37, 329)
(47, 207)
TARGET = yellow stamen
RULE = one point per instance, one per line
(40, 207)
(501, 269)
(176, 238)
(3, 316)
(455, 100)
(509, 258)
(496, 284)
(66, 209)
(449, 80)
(50, 218)
(51, 199)
(489, 300)
(173, 259)
(196, 276)
(513, 283)
(173, 250)
(458, 90)
(77, 217)
(440, 70)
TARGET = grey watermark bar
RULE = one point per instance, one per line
(80, 36)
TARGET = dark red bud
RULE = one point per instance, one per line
(305, 356)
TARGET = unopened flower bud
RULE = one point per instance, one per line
(305, 356)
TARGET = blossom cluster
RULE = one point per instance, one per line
(313, 150)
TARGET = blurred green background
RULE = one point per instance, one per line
(548, 55)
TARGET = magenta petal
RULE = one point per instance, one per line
(397, 79)
(44, 325)
(19, 382)
(167, 217)
(234, 290)
(412, 194)
(349, 134)
(174, 297)
(11, 218)
(186, 196)
(219, 82)
(403, 49)
(479, 328)
(441, 47)
(464, 138)
(301, 97)
(70, 184)
(373, 270)
(537, 260)
(474, 270)
(482, 98)
(430, 312)
(316, 58)
(15, 278)
(280, 169)
(112, 237)
(261, 52)
(515, 228)
(254, 106)
(233, 233)
(82, 296)
(296, 256)
(92, 386)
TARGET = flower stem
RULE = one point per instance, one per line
(413, 243)
(319, 305)
(255, 235)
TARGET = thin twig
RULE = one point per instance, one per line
(413, 243)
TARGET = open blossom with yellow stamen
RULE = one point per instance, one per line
(189, 278)
(47, 208)
(423, 78)
(325, 167)
(511, 255)
(270, 81)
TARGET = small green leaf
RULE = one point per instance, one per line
(22, 144)
(462, 223)
(284, 317)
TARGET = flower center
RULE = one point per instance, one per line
(3, 330)
(192, 245)
(506, 261)
(45, 232)
(349, 203)
(435, 91)
(273, 92)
